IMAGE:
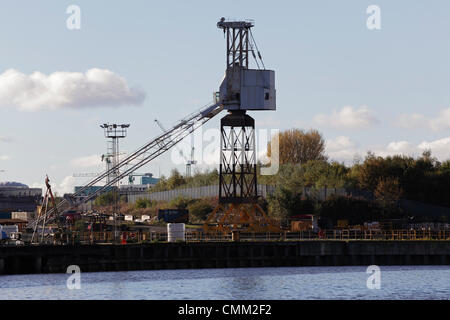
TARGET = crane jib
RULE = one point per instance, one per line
(137, 159)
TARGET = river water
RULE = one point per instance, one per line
(396, 282)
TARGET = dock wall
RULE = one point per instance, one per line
(96, 258)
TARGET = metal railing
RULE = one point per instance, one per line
(198, 236)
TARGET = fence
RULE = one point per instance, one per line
(198, 236)
(194, 193)
(263, 191)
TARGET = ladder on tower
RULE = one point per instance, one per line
(135, 160)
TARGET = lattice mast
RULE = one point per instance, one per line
(242, 89)
(113, 132)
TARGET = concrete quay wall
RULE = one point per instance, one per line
(154, 256)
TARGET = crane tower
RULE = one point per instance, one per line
(242, 90)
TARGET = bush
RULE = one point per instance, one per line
(143, 203)
(181, 202)
(107, 199)
(199, 210)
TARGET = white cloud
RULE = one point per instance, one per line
(86, 162)
(400, 147)
(411, 121)
(67, 185)
(340, 143)
(439, 148)
(345, 150)
(417, 120)
(4, 157)
(37, 91)
(341, 148)
(442, 121)
(347, 118)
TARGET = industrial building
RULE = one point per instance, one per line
(146, 180)
(18, 197)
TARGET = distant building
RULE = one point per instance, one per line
(147, 182)
(16, 197)
(22, 215)
(92, 189)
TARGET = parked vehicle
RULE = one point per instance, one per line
(174, 215)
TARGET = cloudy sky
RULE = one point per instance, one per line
(131, 62)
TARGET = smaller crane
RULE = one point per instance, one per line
(189, 162)
(43, 212)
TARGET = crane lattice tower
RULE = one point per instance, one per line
(242, 90)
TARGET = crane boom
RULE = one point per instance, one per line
(137, 159)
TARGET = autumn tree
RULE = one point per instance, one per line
(175, 180)
(388, 190)
(298, 146)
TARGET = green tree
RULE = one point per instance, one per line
(107, 198)
(161, 185)
(175, 180)
(181, 202)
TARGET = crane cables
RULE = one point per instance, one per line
(257, 50)
(137, 159)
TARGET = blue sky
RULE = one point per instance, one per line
(382, 90)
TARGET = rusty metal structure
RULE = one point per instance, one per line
(242, 89)
(46, 214)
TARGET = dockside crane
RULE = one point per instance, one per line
(242, 89)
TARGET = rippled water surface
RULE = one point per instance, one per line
(397, 282)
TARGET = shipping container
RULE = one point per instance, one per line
(174, 215)
(5, 215)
